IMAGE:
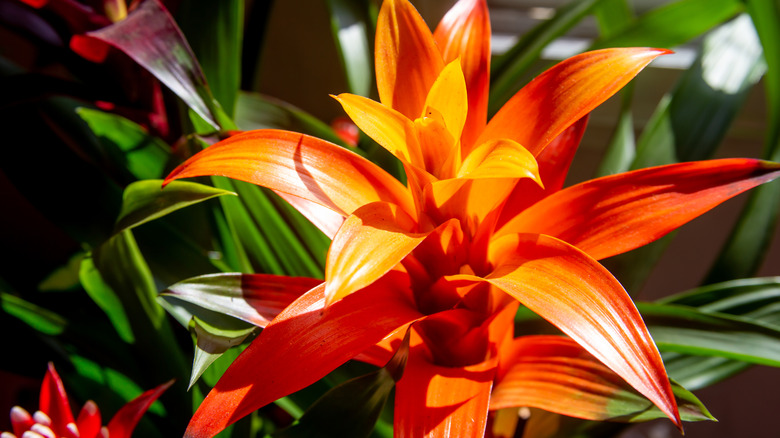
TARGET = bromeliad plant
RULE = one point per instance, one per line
(481, 226)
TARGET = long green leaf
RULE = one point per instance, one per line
(39, 318)
(684, 329)
(146, 200)
(214, 29)
(144, 155)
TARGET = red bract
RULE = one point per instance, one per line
(54, 418)
(482, 227)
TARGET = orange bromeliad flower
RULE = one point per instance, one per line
(481, 227)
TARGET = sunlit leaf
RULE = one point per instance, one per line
(673, 23)
(144, 155)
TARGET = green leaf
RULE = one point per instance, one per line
(65, 277)
(146, 200)
(108, 301)
(696, 372)
(126, 284)
(749, 240)
(257, 111)
(692, 123)
(509, 69)
(352, 33)
(621, 150)
(672, 24)
(213, 338)
(142, 154)
(687, 330)
(39, 318)
(215, 30)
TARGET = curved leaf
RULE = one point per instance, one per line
(556, 374)
(254, 298)
(145, 200)
(301, 345)
(580, 297)
(124, 421)
(300, 165)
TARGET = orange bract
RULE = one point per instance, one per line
(481, 226)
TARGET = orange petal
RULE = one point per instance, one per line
(464, 33)
(373, 240)
(448, 98)
(564, 94)
(406, 58)
(579, 296)
(617, 213)
(553, 162)
(502, 158)
(468, 200)
(304, 343)
(556, 374)
(325, 219)
(388, 127)
(437, 401)
(300, 165)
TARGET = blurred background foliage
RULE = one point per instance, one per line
(89, 241)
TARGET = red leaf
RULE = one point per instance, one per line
(54, 402)
(125, 420)
(304, 343)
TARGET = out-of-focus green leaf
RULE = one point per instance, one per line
(150, 37)
(509, 69)
(144, 155)
(146, 200)
(621, 150)
(749, 240)
(673, 24)
(611, 16)
(42, 320)
(691, 124)
(684, 329)
(352, 34)
(696, 372)
(65, 277)
(213, 338)
(257, 111)
(227, 221)
(214, 29)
